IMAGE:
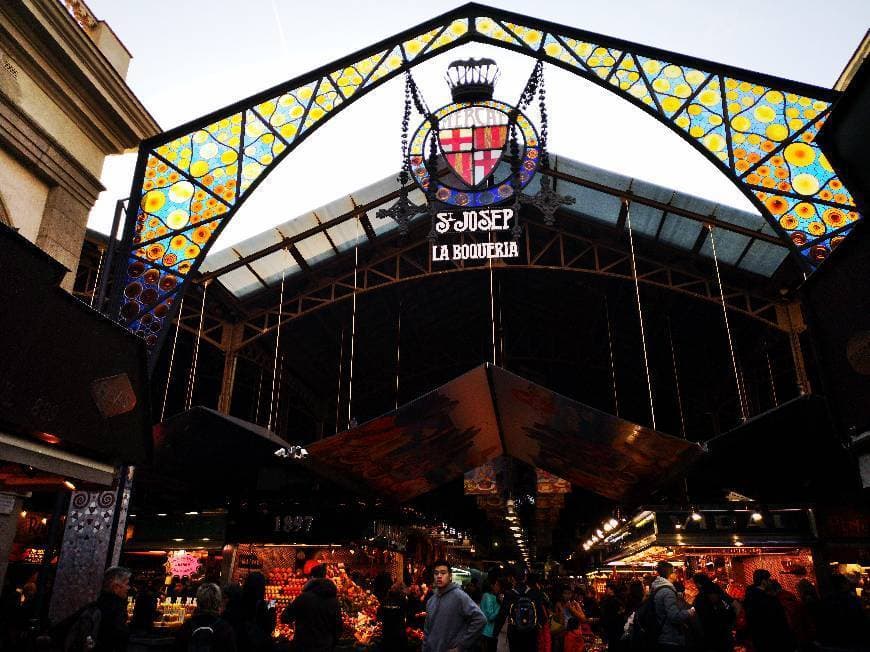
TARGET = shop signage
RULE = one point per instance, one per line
(474, 221)
(785, 521)
(183, 564)
(293, 524)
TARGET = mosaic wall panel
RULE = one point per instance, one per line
(84, 551)
(759, 131)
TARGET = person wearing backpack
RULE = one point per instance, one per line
(659, 624)
(524, 606)
(101, 626)
(206, 631)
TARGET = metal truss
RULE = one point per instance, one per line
(758, 129)
(546, 248)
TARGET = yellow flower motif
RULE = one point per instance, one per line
(714, 142)
(153, 201)
(177, 219)
(776, 132)
(673, 71)
(799, 154)
(652, 67)
(741, 123)
(805, 184)
(199, 168)
(671, 104)
(764, 113)
(661, 85)
(708, 97)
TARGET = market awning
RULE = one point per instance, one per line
(488, 412)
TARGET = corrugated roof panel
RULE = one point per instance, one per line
(679, 231)
(738, 217)
(763, 258)
(645, 219)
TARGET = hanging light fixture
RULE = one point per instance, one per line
(756, 516)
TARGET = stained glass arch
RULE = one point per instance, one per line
(757, 129)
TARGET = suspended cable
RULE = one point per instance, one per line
(353, 324)
(491, 304)
(278, 394)
(277, 346)
(171, 360)
(740, 397)
(612, 362)
(338, 394)
(259, 396)
(398, 350)
(98, 277)
(192, 380)
(770, 375)
(677, 381)
(652, 409)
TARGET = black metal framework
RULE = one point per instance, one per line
(205, 169)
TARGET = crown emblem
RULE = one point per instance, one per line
(472, 80)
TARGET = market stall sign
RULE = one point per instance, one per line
(183, 565)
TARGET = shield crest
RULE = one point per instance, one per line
(473, 152)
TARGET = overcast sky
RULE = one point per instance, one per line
(191, 57)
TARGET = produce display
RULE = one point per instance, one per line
(359, 607)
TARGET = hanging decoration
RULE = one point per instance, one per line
(472, 158)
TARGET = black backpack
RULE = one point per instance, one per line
(83, 635)
(524, 614)
(647, 626)
(201, 639)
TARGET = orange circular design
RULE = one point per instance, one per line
(753, 157)
(781, 173)
(840, 198)
(231, 183)
(805, 210)
(211, 201)
(152, 162)
(834, 217)
(763, 170)
(739, 153)
(148, 185)
(155, 251)
(788, 222)
(776, 205)
(219, 189)
(207, 180)
(818, 253)
(741, 166)
(150, 174)
(173, 176)
(161, 182)
(816, 228)
(162, 167)
(807, 137)
(178, 242)
(191, 252)
(827, 195)
(753, 179)
(785, 186)
(201, 235)
(767, 182)
(767, 146)
(836, 184)
(184, 267)
(170, 259)
(196, 207)
(776, 161)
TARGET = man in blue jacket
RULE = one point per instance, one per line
(453, 622)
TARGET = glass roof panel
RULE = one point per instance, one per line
(679, 231)
(347, 234)
(240, 282)
(763, 258)
(645, 219)
(270, 267)
(315, 248)
(593, 203)
(729, 246)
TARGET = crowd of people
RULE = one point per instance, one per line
(508, 612)
(520, 613)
